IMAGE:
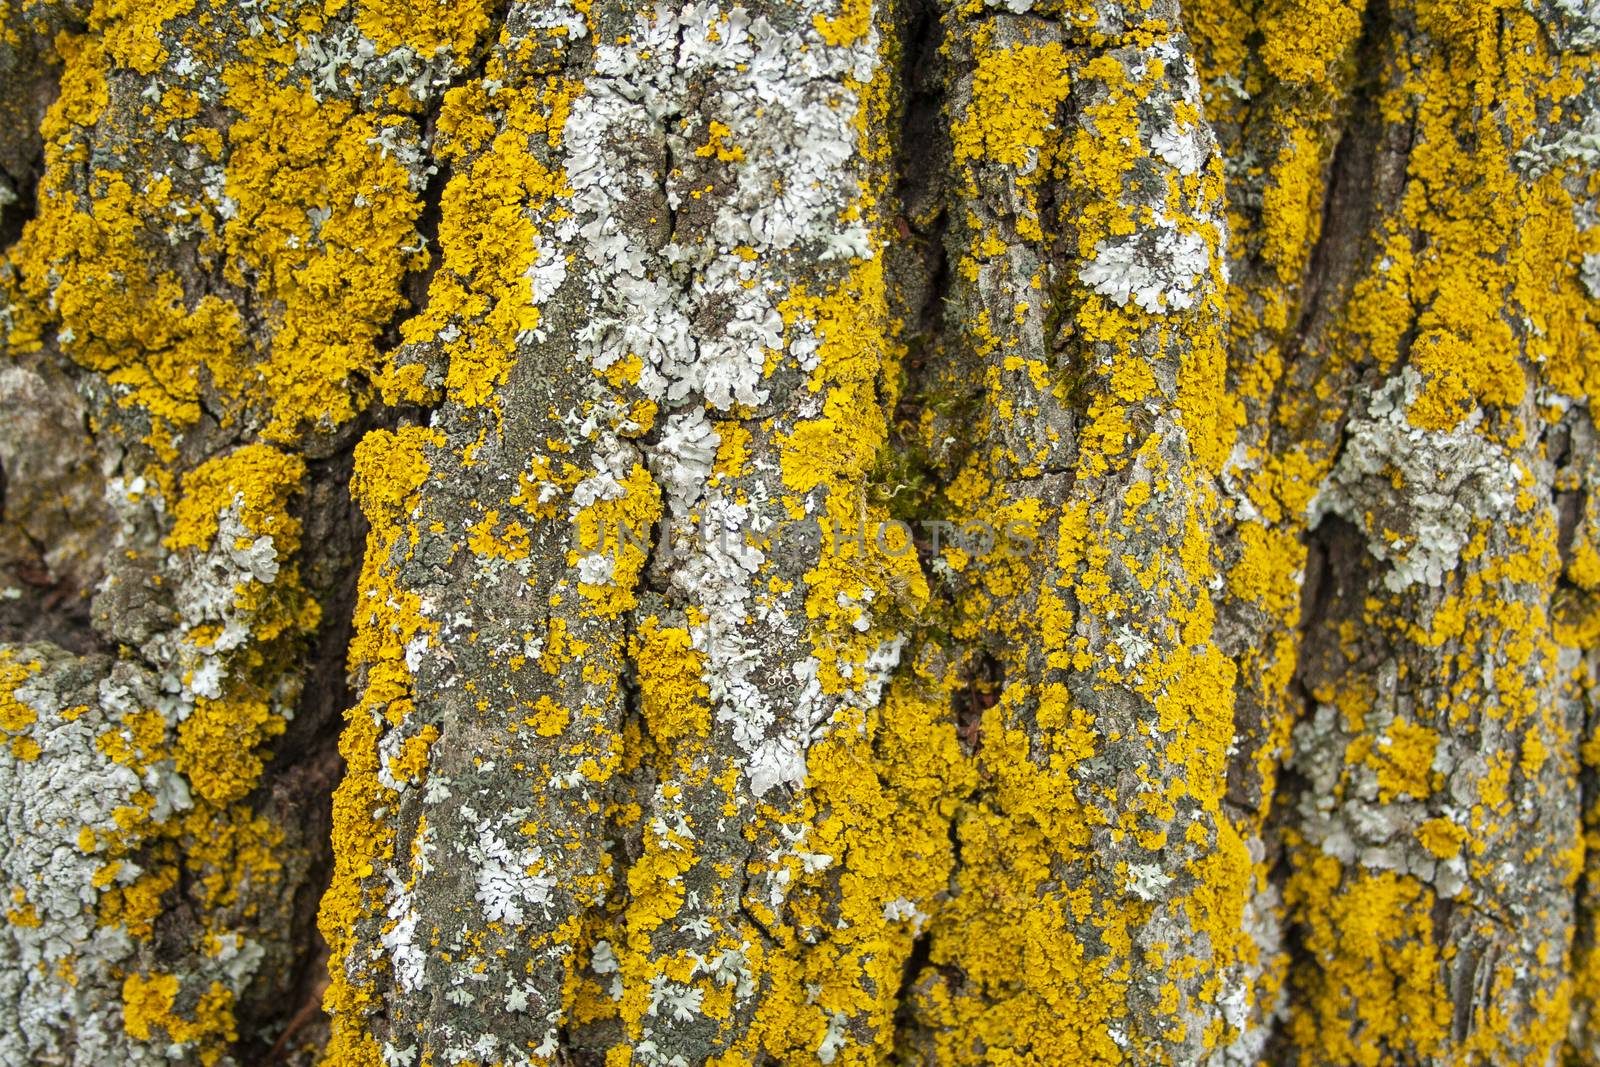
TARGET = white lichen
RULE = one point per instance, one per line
(1160, 268)
(1415, 493)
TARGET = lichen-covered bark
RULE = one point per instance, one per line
(1027, 532)
(1420, 382)
(223, 222)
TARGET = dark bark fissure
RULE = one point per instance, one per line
(1345, 244)
(298, 781)
(1335, 550)
(984, 680)
(908, 479)
(1367, 176)
(417, 283)
(1570, 447)
(918, 961)
(1569, 502)
(47, 603)
(911, 480)
(33, 82)
(1361, 180)
(21, 211)
(37, 574)
(1585, 894)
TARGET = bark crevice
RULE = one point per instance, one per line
(297, 783)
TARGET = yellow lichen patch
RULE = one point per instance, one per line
(1276, 80)
(882, 796)
(1303, 39)
(1380, 967)
(222, 251)
(93, 275)
(849, 26)
(219, 745)
(489, 538)
(22, 913)
(850, 327)
(325, 221)
(1459, 375)
(1016, 92)
(616, 533)
(549, 719)
(15, 716)
(147, 1002)
(229, 849)
(257, 480)
(1265, 572)
(673, 736)
(426, 28)
(135, 907)
(733, 452)
(139, 741)
(1291, 218)
(390, 468)
(543, 484)
(1442, 837)
(866, 568)
(148, 1014)
(1404, 761)
(316, 214)
(718, 145)
(1499, 249)
(672, 691)
(412, 761)
(130, 31)
(1086, 897)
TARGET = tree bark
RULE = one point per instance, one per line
(997, 532)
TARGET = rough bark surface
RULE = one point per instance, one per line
(826, 531)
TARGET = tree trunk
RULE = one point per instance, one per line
(996, 532)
